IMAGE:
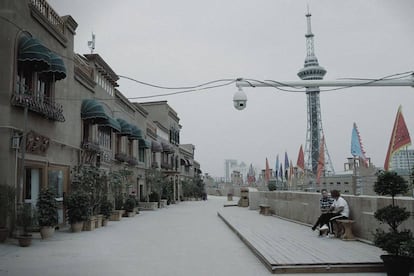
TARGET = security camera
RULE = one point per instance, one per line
(240, 99)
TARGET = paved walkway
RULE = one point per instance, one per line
(183, 239)
(286, 246)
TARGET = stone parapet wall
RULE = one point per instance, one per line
(304, 207)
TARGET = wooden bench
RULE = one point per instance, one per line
(264, 209)
(346, 224)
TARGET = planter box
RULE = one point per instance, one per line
(130, 214)
(105, 222)
(98, 222)
(116, 215)
(89, 225)
(148, 205)
(136, 210)
(163, 203)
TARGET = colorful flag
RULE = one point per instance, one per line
(277, 166)
(356, 145)
(399, 138)
(251, 177)
(290, 171)
(301, 159)
(281, 172)
(267, 172)
(286, 165)
(321, 161)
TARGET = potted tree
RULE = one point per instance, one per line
(47, 212)
(7, 201)
(106, 211)
(77, 204)
(25, 219)
(397, 243)
(129, 206)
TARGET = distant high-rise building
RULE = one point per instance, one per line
(314, 132)
(402, 161)
(231, 165)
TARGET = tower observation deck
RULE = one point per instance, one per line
(314, 132)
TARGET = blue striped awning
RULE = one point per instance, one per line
(92, 110)
(33, 53)
(136, 133)
(57, 69)
(112, 123)
(144, 144)
(125, 127)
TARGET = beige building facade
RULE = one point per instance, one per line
(60, 109)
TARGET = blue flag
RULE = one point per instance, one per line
(277, 166)
(356, 146)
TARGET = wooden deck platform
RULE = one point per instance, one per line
(289, 247)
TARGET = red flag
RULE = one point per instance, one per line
(301, 159)
(267, 172)
(399, 138)
(321, 161)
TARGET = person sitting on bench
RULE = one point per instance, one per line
(339, 210)
(325, 203)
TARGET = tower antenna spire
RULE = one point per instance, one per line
(91, 43)
(314, 132)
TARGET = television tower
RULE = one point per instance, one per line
(314, 132)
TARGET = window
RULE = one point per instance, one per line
(130, 147)
(118, 148)
(141, 154)
(105, 137)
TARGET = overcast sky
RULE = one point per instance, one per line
(187, 42)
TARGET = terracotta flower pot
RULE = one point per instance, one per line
(47, 231)
(76, 227)
(25, 240)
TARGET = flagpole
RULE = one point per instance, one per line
(410, 171)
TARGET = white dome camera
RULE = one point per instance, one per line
(240, 99)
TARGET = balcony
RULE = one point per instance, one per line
(91, 146)
(42, 105)
(166, 166)
(132, 161)
(121, 157)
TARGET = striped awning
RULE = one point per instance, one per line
(125, 127)
(32, 53)
(57, 69)
(156, 146)
(144, 144)
(136, 133)
(166, 147)
(92, 110)
(112, 123)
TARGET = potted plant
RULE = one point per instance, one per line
(129, 206)
(47, 212)
(106, 211)
(7, 201)
(397, 243)
(77, 204)
(25, 219)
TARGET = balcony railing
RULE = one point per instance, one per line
(42, 105)
(167, 166)
(49, 14)
(121, 157)
(91, 146)
(132, 161)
